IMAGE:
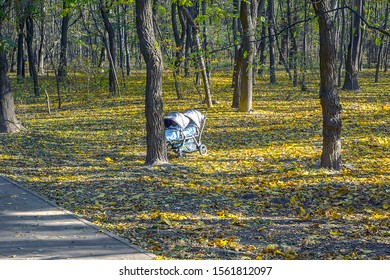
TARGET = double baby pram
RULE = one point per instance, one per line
(183, 131)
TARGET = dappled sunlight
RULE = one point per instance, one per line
(257, 194)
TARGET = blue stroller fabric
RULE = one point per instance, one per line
(183, 131)
(175, 133)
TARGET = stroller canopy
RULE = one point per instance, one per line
(195, 116)
(176, 119)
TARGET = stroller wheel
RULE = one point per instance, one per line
(202, 149)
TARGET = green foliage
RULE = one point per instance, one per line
(6, 43)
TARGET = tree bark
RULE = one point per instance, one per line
(201, 60)
(63, 63)
(20, 65)
(380, 59)
(271, 42)
(30, 53)
(111, 48)
(8, 121)
(351, 81)
(179, 41)
(248, 15)
(155, 135)
(330, 103)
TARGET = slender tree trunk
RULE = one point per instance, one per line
(126, 42)
(263, 46)
(271, 41)
(294, 46)
(304, 51)
(205, 39)
(351, 81)
(111, 48)
(30, 53)
(155, 136)
(201, 60)
(187, 49)
(342, 45)
(63, 63)
(20, 65)
(330, 103)
(235, 26)
(378, 63)
(179, 40)
(237, 78)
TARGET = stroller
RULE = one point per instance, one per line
(183, 131)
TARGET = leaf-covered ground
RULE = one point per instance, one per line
(257, 194)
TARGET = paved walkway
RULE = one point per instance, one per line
(31, 227)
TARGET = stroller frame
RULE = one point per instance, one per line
(188, 143)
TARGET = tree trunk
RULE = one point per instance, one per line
(8, 121)
(271, 41)
(111, 48)
(20, 65)
(330, 103)
(351, 81)
(378, 63)
(179, 41)
(125, 39)
(201, 60)
(237, 78)
(263, 46)
(236, 28)
(30, 53)
(248, 15)
(342, 45)
(155, 135)
(63, 63)
(304, 51)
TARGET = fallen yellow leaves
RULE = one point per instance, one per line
(258, 189)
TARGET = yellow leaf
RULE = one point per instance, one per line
(109, 160)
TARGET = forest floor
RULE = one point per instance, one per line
(257, 194)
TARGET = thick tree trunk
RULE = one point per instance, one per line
(8, 121)
(248, 12)
(330, 103)
(351, 81)
(155, 135)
